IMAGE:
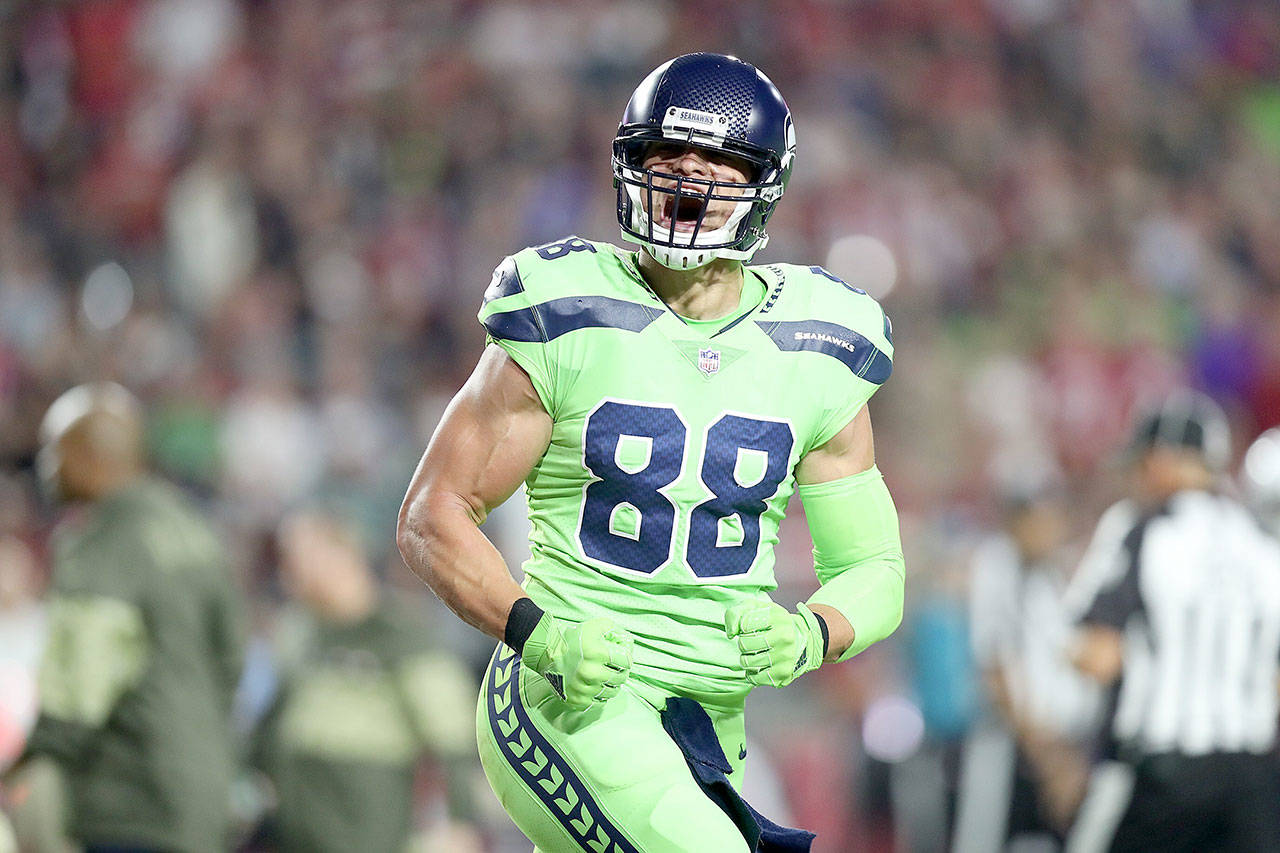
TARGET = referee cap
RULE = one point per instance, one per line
(1191, 420)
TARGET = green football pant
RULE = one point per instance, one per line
(608, 779)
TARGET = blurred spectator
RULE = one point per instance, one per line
(924, 774)
(1023, 785)
(363, 694)
(144, 643)
(22, 632)
(271, 444)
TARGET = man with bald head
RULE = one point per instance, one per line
(91, 442)
(145, 643)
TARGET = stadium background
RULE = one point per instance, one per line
(274, 220)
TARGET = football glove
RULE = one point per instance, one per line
(776, 646)
(584, 663)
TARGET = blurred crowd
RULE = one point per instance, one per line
(273, 221)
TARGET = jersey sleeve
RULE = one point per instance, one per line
(511, 320)
(1120, 597)
(1104, 561)
(852, 327)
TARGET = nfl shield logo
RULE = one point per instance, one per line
(709, 360)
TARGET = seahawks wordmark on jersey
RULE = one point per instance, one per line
(672, 454)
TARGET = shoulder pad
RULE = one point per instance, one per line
(561, 268)
(820, 312)
(543, 292)
(835, 295)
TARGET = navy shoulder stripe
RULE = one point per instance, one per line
(506, 281)
(853, 350)
(519, 325)
(547, 321)
(837, 279)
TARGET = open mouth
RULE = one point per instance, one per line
(681, 213)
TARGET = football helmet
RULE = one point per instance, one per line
(718, 103)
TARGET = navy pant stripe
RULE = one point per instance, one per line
(544, 770)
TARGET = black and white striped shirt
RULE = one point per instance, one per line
(1195, 588)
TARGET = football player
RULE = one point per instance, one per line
(661, 406)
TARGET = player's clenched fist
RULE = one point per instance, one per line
(776, 646)
(584, 662)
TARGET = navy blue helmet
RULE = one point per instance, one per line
(713, 102)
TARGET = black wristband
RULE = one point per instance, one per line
(521, 621)
(822, 626)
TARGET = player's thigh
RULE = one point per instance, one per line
(608, 778)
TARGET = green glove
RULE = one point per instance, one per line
(777, 646)
(584, 663)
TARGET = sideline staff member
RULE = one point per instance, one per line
(1190, 615)
(144, 649)
(363, 693)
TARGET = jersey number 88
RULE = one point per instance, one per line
(642, 490)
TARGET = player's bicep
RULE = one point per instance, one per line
(850, 451)
(490, 437)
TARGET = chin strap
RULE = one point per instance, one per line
(692, 259)
(680, 259)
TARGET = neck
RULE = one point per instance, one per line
(109, 481)
(706, 293)
(1175, 471)
(1187, 484)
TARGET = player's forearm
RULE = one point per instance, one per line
(870, 598)
(840, 633)
(440, 540)
(858, 558)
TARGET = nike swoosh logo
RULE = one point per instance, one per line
(742, 752)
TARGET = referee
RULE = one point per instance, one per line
(1184, 623)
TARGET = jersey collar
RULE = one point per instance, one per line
(630, 261)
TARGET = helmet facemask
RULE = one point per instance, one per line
(684, 241)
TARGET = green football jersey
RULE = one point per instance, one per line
(673, 449)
